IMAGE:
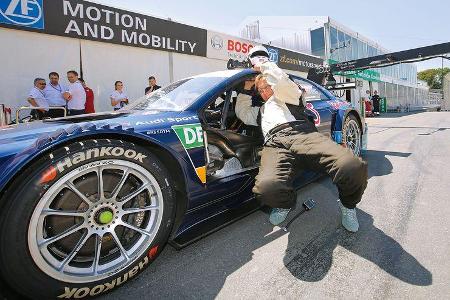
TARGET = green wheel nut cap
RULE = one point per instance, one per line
(106, 217)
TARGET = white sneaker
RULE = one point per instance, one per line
(349, 219)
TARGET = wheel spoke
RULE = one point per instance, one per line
(62, 235)
(75, 250)
(351, 145)
(134, 194)
(62, 213)
(140, 230)
(101, 192)
(119, 244)
(120, 184)
(139, 209)
(72, 187)
(98, 249)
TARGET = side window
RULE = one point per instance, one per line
(214, 111)
(311, 93)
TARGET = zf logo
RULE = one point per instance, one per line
(273, 55)
(27, 13)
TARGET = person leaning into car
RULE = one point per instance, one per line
(75, 95)
(292, 143)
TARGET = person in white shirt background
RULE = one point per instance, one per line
(292, 143)
(36, 98)
(75, 95)
(54, 93)
(118, 98)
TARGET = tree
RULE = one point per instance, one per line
(433, 77)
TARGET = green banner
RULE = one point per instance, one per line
(190, 135)
(383, 105)
(369, 75)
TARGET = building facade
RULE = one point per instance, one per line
(334, 42)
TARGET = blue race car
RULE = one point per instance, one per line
(88, 202)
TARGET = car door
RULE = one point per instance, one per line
(317, 105)
(230, 188)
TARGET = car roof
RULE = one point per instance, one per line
(225, 73)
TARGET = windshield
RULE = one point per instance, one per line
(177, 96)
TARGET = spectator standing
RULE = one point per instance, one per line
(118, 98)
(376, 103)
(54, 93)
(36, 98)
(152, 85)
(75, 95)
(89, 106)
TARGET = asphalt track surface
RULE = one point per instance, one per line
(402, 250)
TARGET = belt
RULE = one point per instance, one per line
(289, 125)
(302, 125)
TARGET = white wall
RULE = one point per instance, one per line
(104, 64)
(25, 56)
(188, 65)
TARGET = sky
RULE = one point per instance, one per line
(394, 24)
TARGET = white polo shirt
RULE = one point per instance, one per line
(78, 93)
(38, 96)
(54, 94)
(116, 95)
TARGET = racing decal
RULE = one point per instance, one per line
(310, 107)
(158, 131)
(191, 137)
(201, 173)
(80, 157)
(152, 253)
(337, 104)
(48, 175)
(164, 120)
(78, 293)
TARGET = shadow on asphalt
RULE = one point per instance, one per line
(379, 163)
(201, 270)
(313, 262)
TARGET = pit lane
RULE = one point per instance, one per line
(401, 251)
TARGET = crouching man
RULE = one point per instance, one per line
(292, 143)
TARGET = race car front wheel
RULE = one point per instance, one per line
(90, 217)
(352, 135)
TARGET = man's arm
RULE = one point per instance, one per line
(33, 103)
(245, 111)
(283, 87)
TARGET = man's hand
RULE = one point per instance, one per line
(256, 69)
(249, 84)
(67, 96)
